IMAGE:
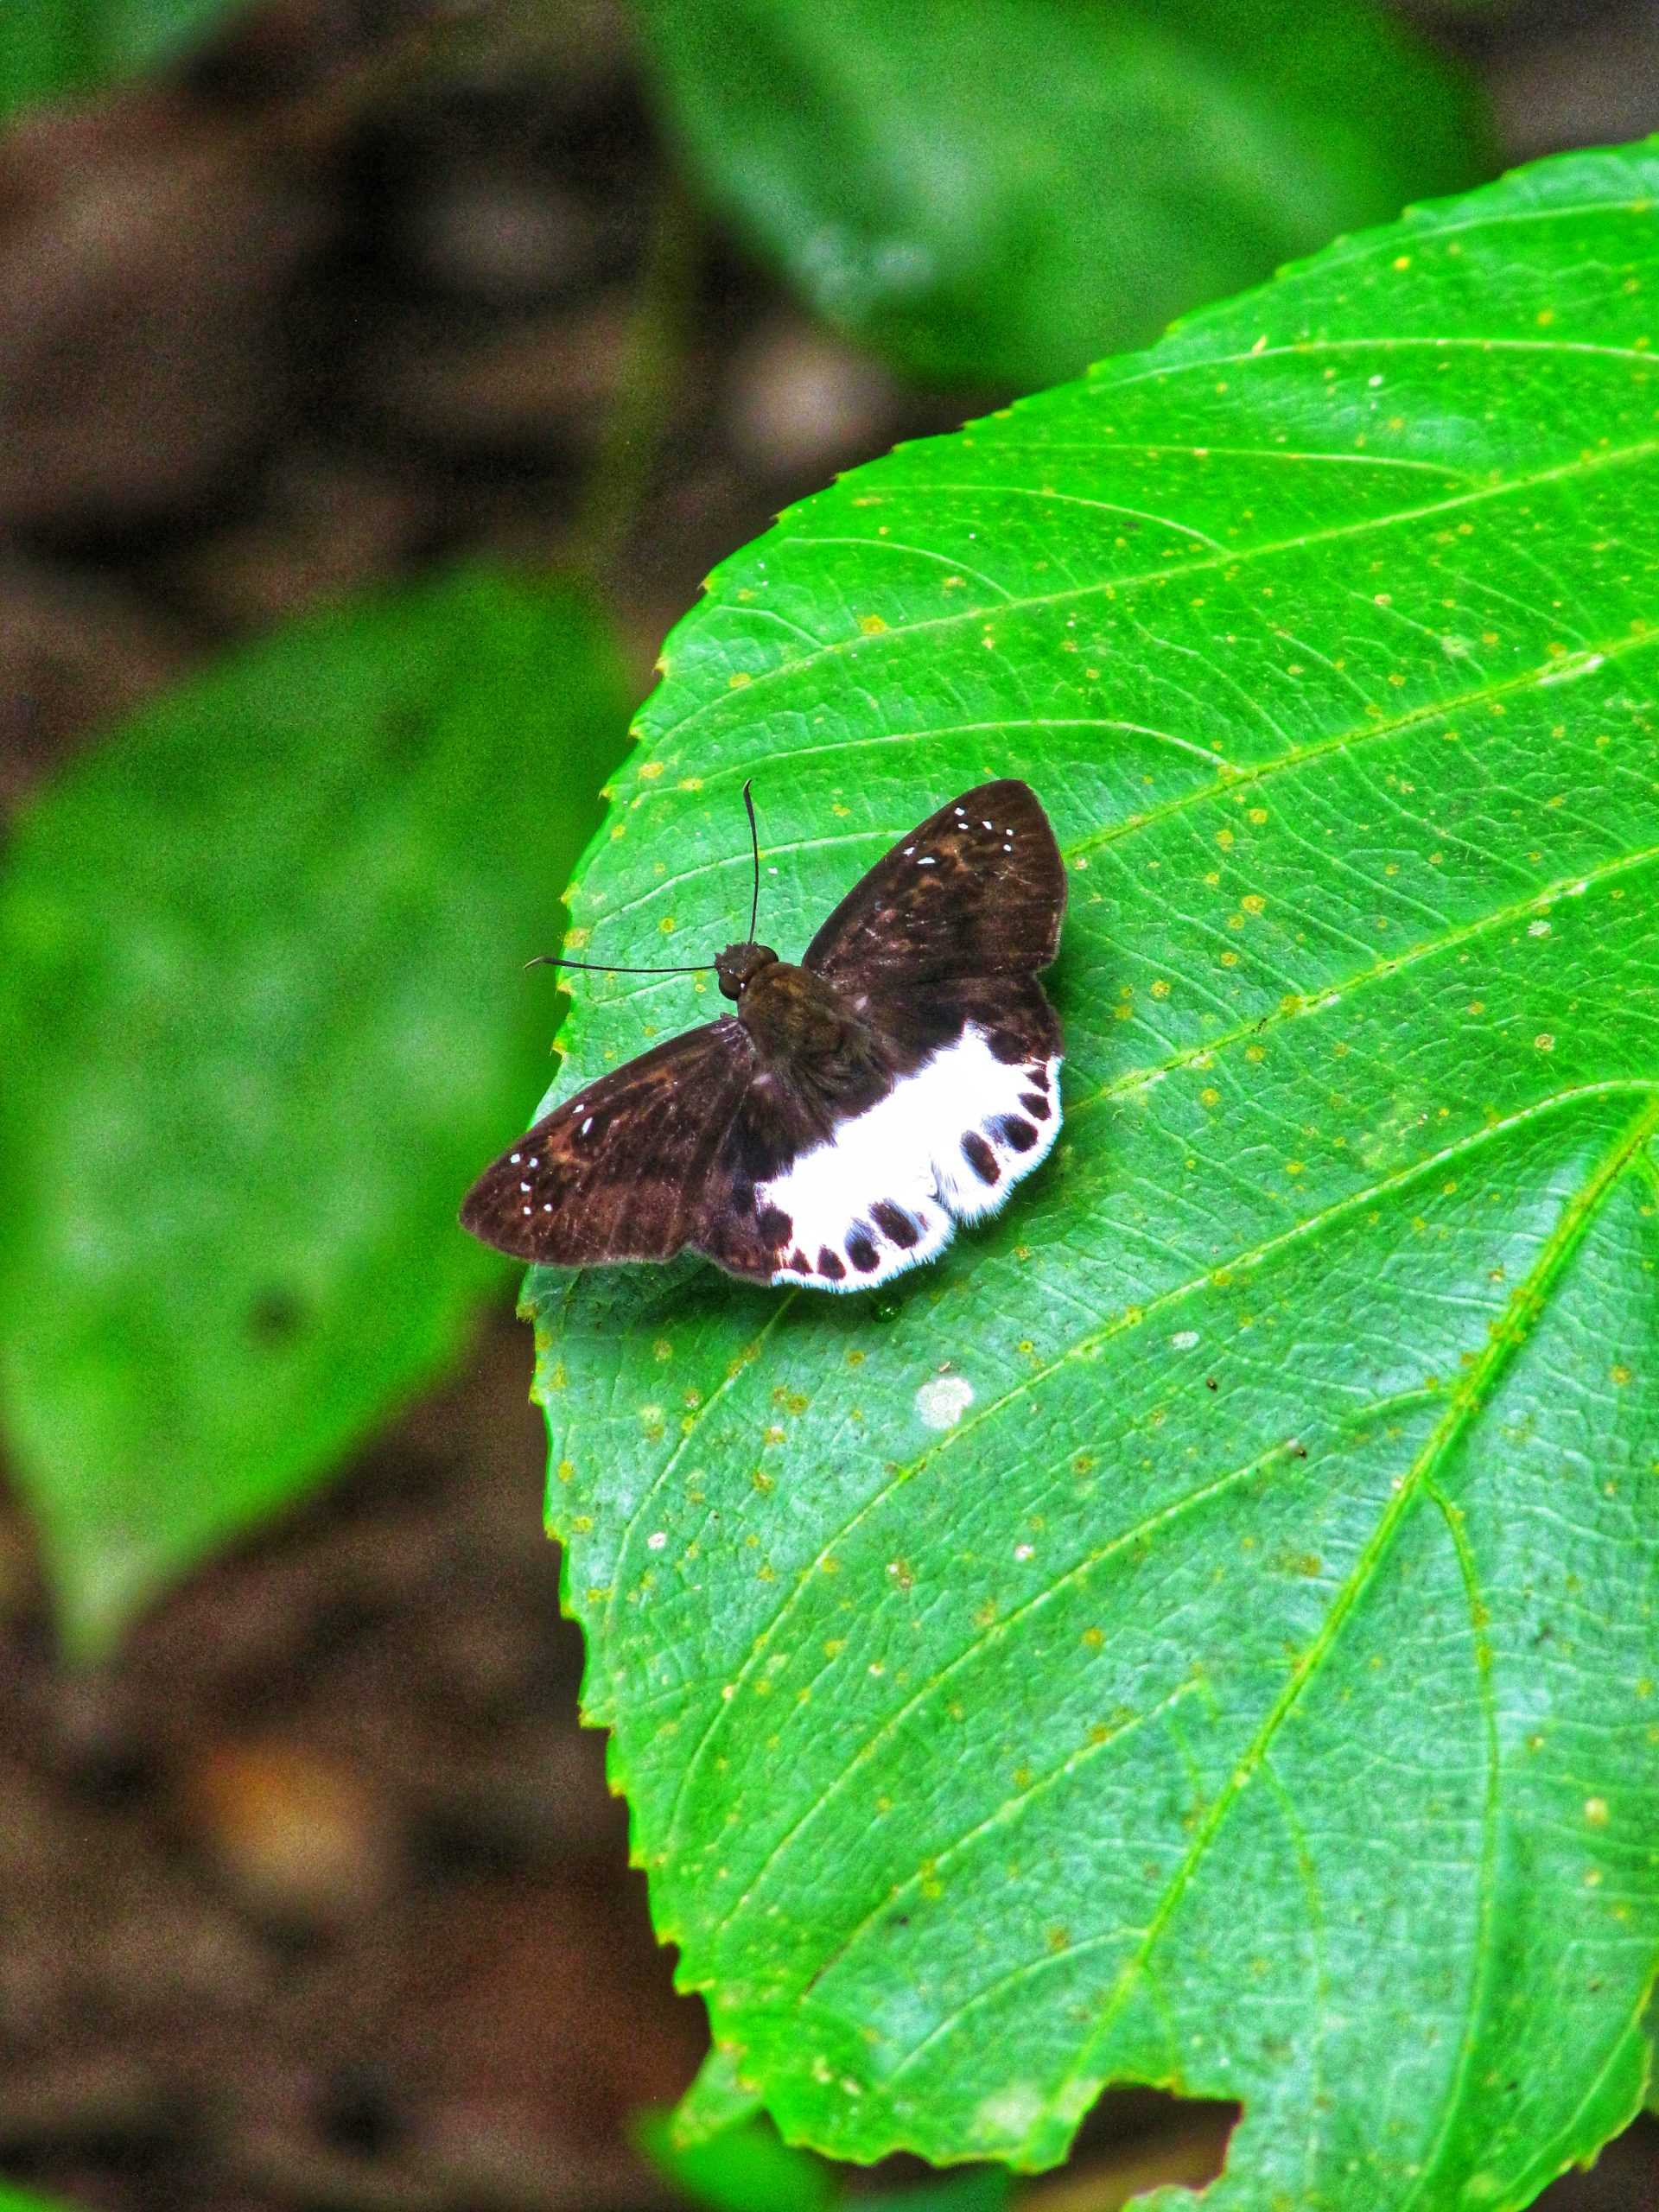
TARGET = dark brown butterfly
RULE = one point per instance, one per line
(833, 1131)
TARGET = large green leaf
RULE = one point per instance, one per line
(261, 1018)
(1203, 1630)
(51, 47)
(1003, 190)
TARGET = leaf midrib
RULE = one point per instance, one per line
(1131, 1317)
(1482, 1950)
(1576, 1219)
(979, 1642)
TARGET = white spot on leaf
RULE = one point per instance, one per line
(942, 1402)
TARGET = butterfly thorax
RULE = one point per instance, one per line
(816, 1057)
(792, 1015)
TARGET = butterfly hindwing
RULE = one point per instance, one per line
(618, 1172)
(966, 1114)
(978, 889)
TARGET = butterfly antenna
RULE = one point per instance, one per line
(755, 840)
(703, 967)
(591, 968)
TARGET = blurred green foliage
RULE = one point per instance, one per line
(26, 2200)
(1003, 191)
(53, 48)
(748, 2168)
(263, 1018)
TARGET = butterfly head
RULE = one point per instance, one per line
(739, 964)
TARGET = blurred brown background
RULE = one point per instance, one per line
(315, 1897)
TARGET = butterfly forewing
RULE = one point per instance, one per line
(978, 889)
(618, 1173)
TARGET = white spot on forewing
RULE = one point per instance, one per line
(907, 1149)
(942, 1402)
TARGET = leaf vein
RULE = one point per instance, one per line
(1336, 533)
(1466, 1404)
(1132, 1317)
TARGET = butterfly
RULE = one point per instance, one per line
(833, 1130)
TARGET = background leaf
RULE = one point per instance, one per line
(1003, 190)
(263, 1019)
(52, 48)
(26, 2200)
(746, 2168)
(1243, 1677)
